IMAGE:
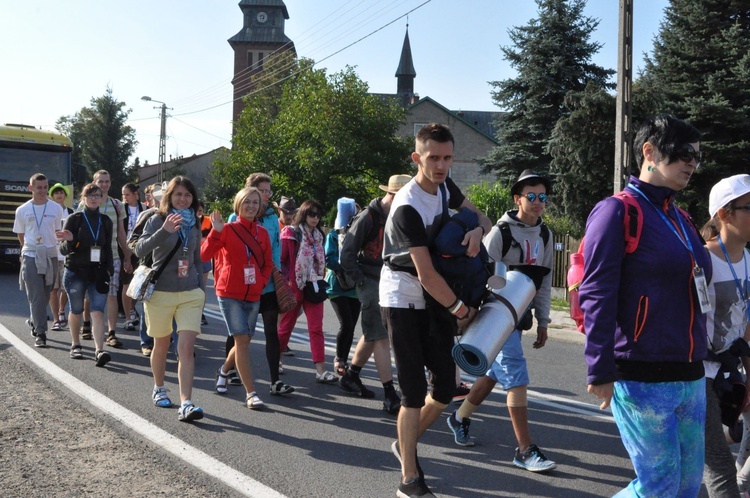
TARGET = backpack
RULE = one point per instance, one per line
(632, 224)
(467, 277)
(372, 246)
(508, 239)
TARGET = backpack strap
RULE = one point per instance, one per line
(508, 239)
(632, 222)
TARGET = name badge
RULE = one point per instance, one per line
(96, 254)
(249, 274)
(182, 268)
(701, 288)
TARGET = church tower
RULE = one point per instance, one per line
(405, 73)
(262, 34)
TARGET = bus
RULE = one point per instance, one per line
(25, 150)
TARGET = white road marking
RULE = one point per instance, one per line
(236, 480)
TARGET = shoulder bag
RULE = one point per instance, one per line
(144, 279)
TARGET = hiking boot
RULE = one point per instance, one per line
(41, 341)
(460, 430)
(351, 383)
(415, 487)
(533, 460)
(392, 403)
(189, 412)
(112, 340)
(462, 390)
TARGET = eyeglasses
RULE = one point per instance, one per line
(265, 192)
(94, 196)
(313, 215)
(531, 196)
(687, 153)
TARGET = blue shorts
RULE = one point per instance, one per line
(76, 289)
(240, 316)
(509, 368)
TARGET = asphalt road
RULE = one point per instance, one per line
(322, 442)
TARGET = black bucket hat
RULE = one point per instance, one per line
(526, 175)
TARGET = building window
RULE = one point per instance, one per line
(249, 59)
(419, 126)
(260, 60)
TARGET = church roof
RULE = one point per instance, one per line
(406, 63)
(482, 121)
(267, 33)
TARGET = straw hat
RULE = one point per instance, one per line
(395, 183)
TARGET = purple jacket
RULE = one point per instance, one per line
(641, 307)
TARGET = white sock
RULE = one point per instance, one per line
(187, 402)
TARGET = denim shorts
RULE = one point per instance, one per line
(76, 289)
(509, 368)
(240, 316)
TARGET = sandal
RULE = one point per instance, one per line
(253, 402)
(113, 341)
(325, 378)
(234, 378)
(76, 351)
(340, 366)
(86, 332)
(160, 397)
(278, 388)
(221, 382)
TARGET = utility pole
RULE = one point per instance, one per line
(162, 137)
(624, 123)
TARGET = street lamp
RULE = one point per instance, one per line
(162, 136)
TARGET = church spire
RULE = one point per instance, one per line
(405, 73)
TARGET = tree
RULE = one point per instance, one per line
(102, 139)
(318, 136)
(582, 149)
(699, 70)
(552, 56)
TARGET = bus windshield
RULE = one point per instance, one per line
(18, 164)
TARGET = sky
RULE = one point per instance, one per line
(60, 55)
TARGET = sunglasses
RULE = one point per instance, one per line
(742, 208)
(687, 153)
(531, 196)
(314, 215)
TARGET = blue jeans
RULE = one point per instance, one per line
(661, 425)
(76, 289)
(240, 316)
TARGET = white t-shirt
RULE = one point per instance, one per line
(414, 216)
(38, 224)
(728, 317)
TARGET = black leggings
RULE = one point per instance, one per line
(347, 311)
(269, 312)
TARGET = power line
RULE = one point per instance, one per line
(315, 64)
